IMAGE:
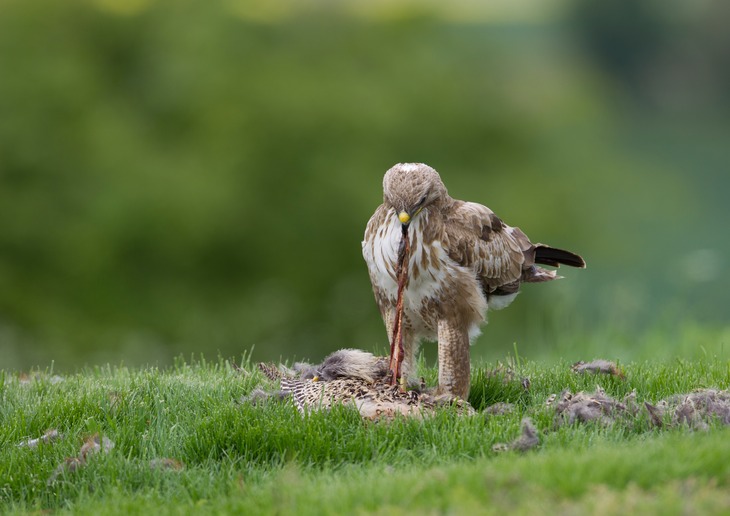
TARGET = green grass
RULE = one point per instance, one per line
(268, 459)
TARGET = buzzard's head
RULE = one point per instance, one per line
(411, 187)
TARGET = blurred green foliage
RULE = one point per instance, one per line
(194, 177)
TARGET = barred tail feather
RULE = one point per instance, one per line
(270, 371)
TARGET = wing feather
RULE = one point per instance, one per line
(270, 371)
(479, 240)
(307, 394)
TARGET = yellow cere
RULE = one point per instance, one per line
(404, 217)
(315, 379)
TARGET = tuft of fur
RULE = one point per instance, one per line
(353, 363)
(344, 363)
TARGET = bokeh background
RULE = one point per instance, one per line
(194, 177)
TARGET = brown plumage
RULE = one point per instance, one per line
(355, 378)
(463, 259)
(374, 401)
(696, 409)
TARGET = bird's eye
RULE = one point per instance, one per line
(423, 199)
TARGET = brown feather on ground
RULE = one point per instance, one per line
(583, 407)
(695, 409)
(528, 439)
(597, 366)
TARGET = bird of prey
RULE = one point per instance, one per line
(462, 260)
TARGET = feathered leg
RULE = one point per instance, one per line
(410, 359)
(453, 349)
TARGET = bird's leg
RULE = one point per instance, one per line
(453, 350)
(397, 352)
